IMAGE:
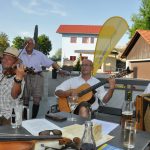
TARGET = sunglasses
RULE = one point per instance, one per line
(67, 144)
(50, 132)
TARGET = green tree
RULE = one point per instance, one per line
(77, 67)
(18, 42)
(44, 44)
(35, 37)
(57, 55)
(142, 19)
(4, 42)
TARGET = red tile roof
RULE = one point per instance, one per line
(80, 29)
(144, 33)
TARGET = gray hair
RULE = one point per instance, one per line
(29, 38)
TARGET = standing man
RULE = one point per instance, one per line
(11, 83)
(34, 82)
(67, 87)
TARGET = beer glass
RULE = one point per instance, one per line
(127, 112)
(129, 134)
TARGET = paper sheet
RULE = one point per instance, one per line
(34, 126)
(107, 127)
(77, 130)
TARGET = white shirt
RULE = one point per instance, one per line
(36, 60)
(147, 90)
(76, 82)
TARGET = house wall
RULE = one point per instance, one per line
(142, 70)
(68, 48)
(139, 59)
(110, 64)
(141, 50)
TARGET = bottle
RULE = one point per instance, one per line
(13, 119)
(127, 112)
(88, 142)
(25, 113)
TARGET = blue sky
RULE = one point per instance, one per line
(18, 17)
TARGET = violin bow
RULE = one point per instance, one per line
(22, 50)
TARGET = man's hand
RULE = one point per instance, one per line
(112, 83)
(110, 91)
(20, 72)
(59, 70)
(16, 88)
(63, 72)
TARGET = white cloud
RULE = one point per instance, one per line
(25, 34)
(39, 7)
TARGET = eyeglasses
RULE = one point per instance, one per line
(50, 132)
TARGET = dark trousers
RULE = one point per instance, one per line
(4, 121)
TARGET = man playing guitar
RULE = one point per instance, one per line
(68, 87)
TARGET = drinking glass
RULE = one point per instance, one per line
(17, 107)
(72, 101)
(129, 134)
(127, 112)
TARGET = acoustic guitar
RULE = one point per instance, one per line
(85, 91)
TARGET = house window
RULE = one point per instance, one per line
(73, 40)
(92, 39)
(85, 40)
(72, 58)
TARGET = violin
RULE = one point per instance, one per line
(11, 71)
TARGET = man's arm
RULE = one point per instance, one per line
(110, 91)
(63, 94)
(59, 70)
(63, 90)
(16, 88)
(56, 66)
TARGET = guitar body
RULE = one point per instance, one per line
(63, 103)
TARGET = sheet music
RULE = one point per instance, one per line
(34, 126)
(107, 127)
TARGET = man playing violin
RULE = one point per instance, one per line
(11, 83)
(66, 89)
(34, 81)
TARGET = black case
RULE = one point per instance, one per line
(55, 117)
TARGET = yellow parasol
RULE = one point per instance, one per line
(111, 32)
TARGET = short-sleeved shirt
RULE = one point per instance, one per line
(76, 82)
(147, 90)
(6, 99)
(36, 60)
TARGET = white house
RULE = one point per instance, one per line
(80, 40)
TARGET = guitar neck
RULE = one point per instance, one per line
(118, 75)
(92, 88)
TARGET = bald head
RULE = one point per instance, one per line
(87, 61)
(86, 68)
